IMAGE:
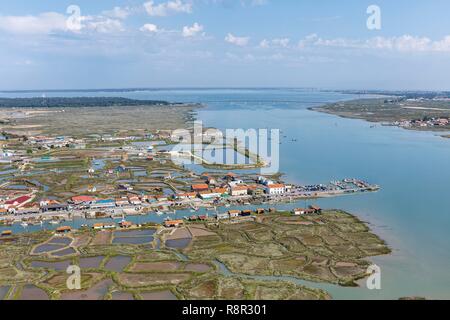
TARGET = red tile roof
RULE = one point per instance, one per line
(19, 200)
(83, 199)
(200, 187)
(276, 186)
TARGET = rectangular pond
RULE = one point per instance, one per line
(117, 263)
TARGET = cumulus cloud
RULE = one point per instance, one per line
(277, 42)
(192, 31)
(166, 8)
(442, 45)
(104, 25)
(404, 43)
(52, 22)
(149, 27)
(238, 41)
(44, 23)
(118, 13)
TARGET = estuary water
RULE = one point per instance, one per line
(412, 210)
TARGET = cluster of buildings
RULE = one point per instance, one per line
(424, 123)
(45, 142)
(231, 185)
(310, 210)
(26, 204)
(212, 188)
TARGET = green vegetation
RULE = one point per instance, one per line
(77, 102)
(95, 120)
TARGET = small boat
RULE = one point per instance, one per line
(24, 224)
(53, 222)
(6, 233)
(159, 213)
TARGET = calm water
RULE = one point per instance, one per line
(411, 211)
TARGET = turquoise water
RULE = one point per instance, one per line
(411, 211)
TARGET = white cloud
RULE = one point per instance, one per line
(264, 44)
(118, 13)
(442, 45)
(254, 3)
(192, 31)
(167, 8)
(44, 23)
(404, 43)
(52, 22)
(238, 41)
(105, 25)
(149, 27)
(278, 42)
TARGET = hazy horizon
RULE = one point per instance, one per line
(125, 89)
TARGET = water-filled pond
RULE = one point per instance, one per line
(197, 267)
(3, 292)
(64, 252)
(132, 240)
(134, 233)
(97, 292)
(117, 263)
(59, 240)
(178, 243)
(91, 262)
(120, 295)
(43, 248)
(31, 292)
(55, 265)
(158, 295)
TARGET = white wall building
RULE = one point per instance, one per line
(275, 189)
(239, 191)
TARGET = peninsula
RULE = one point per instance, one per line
(425, 112)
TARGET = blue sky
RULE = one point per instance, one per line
(229, 43)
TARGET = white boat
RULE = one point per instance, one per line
(24, 224)
(53, 222)
(159, 213)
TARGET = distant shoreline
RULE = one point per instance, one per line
(68, 102)
(398, 111)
